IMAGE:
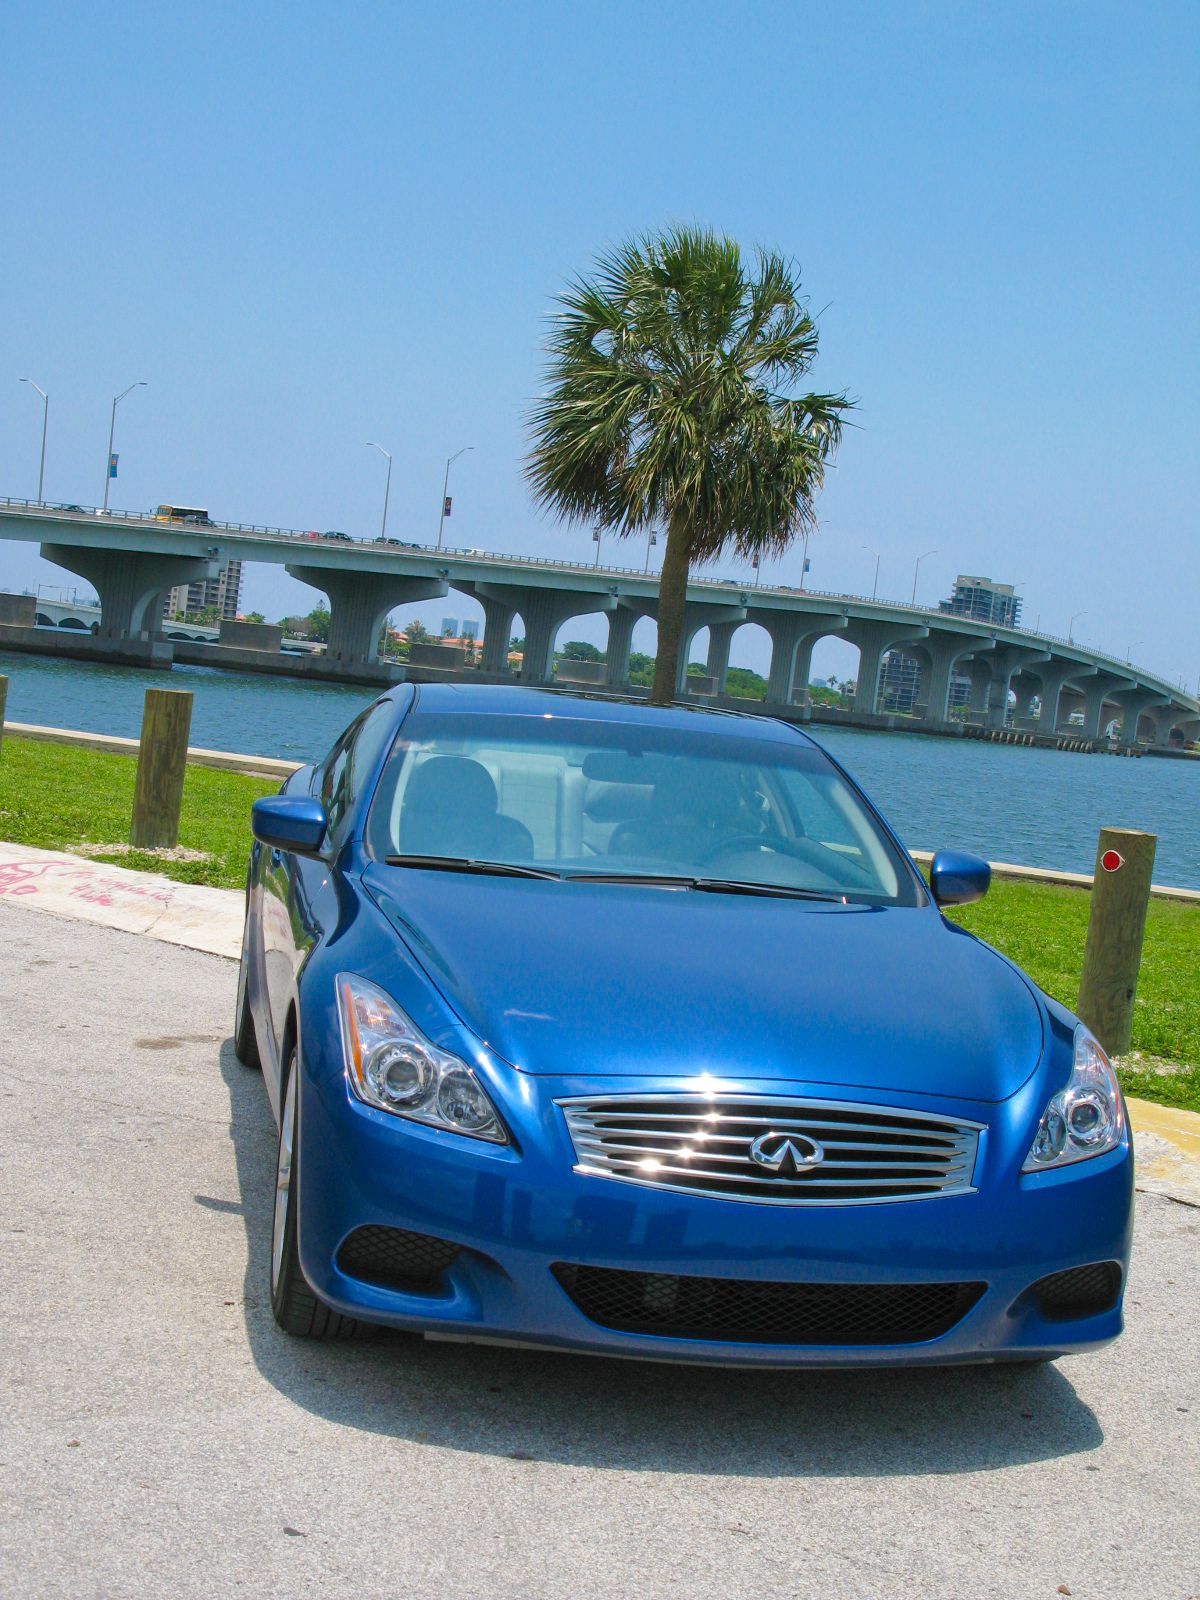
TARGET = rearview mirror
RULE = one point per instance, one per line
(955, 878)
(294, 822)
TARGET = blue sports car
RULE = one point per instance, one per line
(605, 1027)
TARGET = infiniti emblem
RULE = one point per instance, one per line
(786, 1153)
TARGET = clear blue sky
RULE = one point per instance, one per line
(310, 226)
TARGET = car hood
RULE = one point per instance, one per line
(605, 980)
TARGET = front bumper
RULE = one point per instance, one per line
(519, 1211)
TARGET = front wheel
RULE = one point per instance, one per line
(297, 1309)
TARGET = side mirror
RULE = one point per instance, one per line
(955, 879)
(293, 822)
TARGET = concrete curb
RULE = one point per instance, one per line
(114, 744)
(188, 914)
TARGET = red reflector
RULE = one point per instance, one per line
(1111, 860)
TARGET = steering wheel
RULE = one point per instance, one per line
(750, 841)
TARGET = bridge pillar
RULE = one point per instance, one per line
(720, 637)
(621, 624)
(793, 635)
(1133, 702)
(543, 612)
(1054, 676)
(698, 614)
(946, 652)
(497, 631)
(1096, 694)
(874, 639)
(1005, 660)
(129, 583)
(358, 604)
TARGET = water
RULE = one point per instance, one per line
(1041, 808)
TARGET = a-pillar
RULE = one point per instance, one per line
(699, 614)
(1133, 702)
(1097, 692)
(946, 652)
(874, 640)
(1053, 676)
(1005, 660)
(129, 584)
(358, 603)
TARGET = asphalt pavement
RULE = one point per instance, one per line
(159, 1436)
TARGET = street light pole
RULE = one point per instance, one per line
(450, 460)
(387, 488)
(45, 422)
(916, 571)
(596, 537)
(112, 428)
(1130, 650)
(652, 540)
(1071, 626)
(875, 585)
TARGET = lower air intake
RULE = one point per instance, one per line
(737, 1310)
(392, 1258)
(1078, 1292)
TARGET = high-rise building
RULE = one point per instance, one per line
(899, 681)
(219, 594)
(449, 627)
(470, 629)
(984, 601)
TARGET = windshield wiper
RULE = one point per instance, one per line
(494, 869)
(664, 880)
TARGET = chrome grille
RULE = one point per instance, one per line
(701, 1144)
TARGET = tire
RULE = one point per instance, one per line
(296, 1308)
(245, 1043)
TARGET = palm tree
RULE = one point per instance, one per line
(671, 400)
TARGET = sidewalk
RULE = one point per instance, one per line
(188, 914)
(199, 918)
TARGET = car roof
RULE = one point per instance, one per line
(513, 700)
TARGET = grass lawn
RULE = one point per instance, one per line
(59, 797)
(1042, 928)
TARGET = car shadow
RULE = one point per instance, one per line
(630, 1416)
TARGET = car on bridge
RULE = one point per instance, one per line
(633, 1030)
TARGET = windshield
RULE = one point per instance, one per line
(573, 796)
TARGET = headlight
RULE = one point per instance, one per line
(1084, 1119)
(391, 1065)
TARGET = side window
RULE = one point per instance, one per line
(352, 759)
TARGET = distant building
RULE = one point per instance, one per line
(984, 601)
(470, 630)
(219, 594)
(899, 682)
(449, 628)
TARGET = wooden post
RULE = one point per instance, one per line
(1113, 952)
(3, 701)
(158, 794)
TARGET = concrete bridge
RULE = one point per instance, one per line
(131, 559)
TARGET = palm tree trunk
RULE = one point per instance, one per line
(672, 598)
